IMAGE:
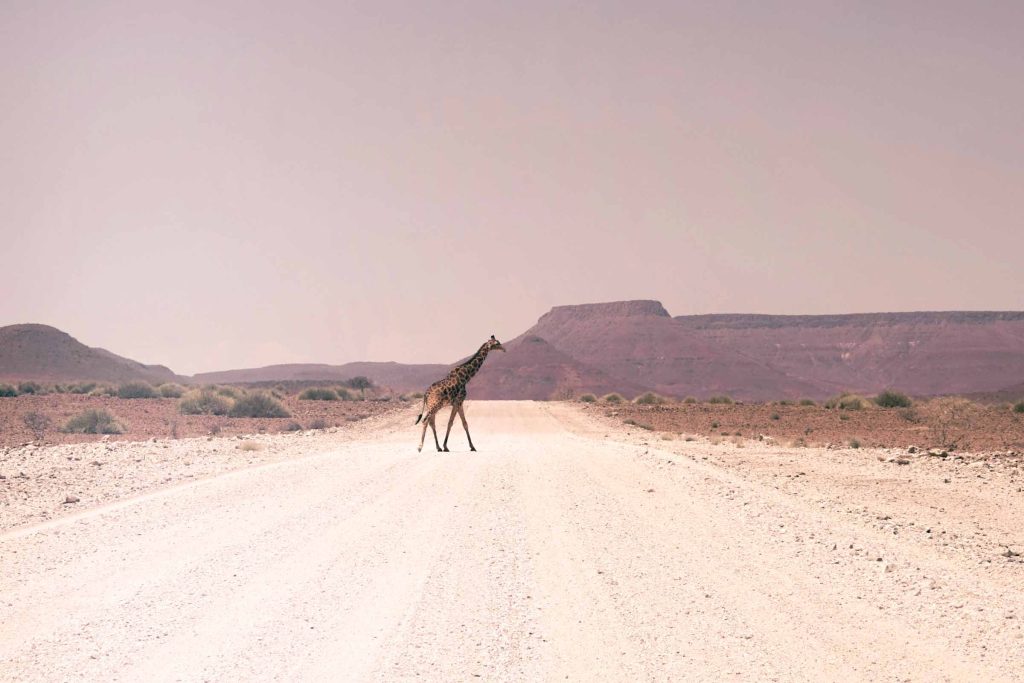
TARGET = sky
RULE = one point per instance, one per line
(215, 185)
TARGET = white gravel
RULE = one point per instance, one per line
(564, 549)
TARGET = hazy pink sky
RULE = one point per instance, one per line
(215, 185)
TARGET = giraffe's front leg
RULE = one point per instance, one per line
(465, 426)
(451, 420)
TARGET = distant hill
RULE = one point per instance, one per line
(398, 376)
(636, 346)
(41, 352)
(534, 369)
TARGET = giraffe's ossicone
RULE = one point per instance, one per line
(452, 391)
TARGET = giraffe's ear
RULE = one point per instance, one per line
(492, 337)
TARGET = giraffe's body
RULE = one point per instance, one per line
(452, 391)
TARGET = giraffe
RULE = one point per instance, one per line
(452, 391)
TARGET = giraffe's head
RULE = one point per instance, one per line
(493, 344)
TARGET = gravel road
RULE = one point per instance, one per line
(565, 549)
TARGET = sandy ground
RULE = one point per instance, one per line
(566, 549)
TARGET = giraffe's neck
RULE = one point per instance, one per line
(466, 371)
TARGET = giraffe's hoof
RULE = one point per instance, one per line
(472, 449)
(420, 449)
(445, 449)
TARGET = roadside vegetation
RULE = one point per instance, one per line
(893, 399)
(204, 402)
(318, 394)
(258, 404)
(137, 390)
(94, 422)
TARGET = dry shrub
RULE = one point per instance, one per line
(848, 402)
(204, 402)
(258, 404)
(318, 394)
(808, 402)
(93, 422)
(8, 391)
(136, 390)
(1018, 407)
(892, 399)
(588, 398)
(950, 420)
(172, 390)
(612, 398)
(649, 399)
(37, 423)
(250, 446)
(720, 399)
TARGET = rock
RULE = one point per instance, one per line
(938, 452)
(71, 499)
(902, 461)
(912, 449)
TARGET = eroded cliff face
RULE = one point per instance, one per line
(918, 352)
(638, 342)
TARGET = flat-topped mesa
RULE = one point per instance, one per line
(611, 309)
(758, 320)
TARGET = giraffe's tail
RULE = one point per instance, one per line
(423, 409)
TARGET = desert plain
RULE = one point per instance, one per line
(570, 546)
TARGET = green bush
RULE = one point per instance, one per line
(588, 398)
(82, 387)
(318, 394)
(649, 399)
(854, 443)
(808, 402)
(93, 422)
(893, 399)
(136, 390)
(7, 391)
(204, 402)
(29, 388)
(1018, 407)
(720, 399)
(172, 390)
(258, 404)
(346, 395)
(776, 416)
(612, 398)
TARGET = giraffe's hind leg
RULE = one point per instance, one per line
(433, 428)
(465, 426)
(451, 420)
(423, 434)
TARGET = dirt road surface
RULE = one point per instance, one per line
(565, 549)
